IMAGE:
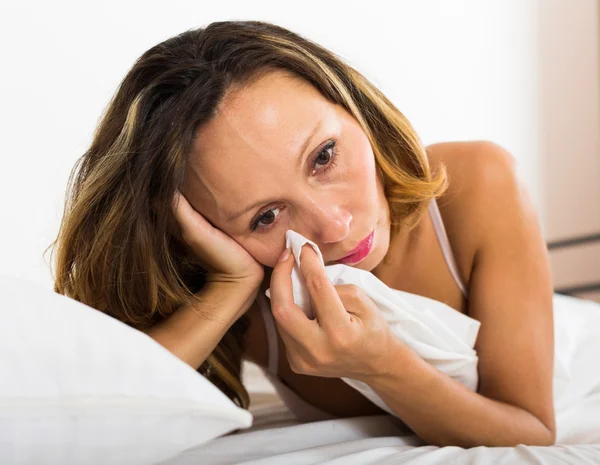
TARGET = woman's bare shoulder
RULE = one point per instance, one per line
(471, 164)
(479, 173)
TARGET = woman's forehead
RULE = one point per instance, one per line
(254, 143)
(273, 114)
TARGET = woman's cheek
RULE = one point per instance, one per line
(362, 174)
(264, 254)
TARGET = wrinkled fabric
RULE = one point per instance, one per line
(436, 332)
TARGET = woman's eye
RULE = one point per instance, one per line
(268, 216)
(327, 154)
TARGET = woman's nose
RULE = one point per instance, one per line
(331, 224)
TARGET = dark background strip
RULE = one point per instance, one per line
(561, 243)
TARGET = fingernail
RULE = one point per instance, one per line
(285, 254)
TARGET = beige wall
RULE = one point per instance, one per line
(569, 97)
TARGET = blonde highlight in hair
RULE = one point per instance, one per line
(119, 248)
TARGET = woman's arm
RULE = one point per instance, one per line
(510, 294)
(193, 332)
(443, 412)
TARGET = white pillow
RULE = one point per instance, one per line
(80, 387)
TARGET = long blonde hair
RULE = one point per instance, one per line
(118, 248)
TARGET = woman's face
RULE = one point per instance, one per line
(279, 156)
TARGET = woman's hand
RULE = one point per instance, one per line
(348, 338)
(225, 259)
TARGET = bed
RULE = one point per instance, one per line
(68, 397)
(276, 437)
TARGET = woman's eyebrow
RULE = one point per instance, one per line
(234, 216)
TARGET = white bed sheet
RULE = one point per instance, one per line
(277, 438)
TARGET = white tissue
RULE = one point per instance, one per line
(436, 332)
(295, 241)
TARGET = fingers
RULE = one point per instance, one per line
(186, 215)
(288, 315)
(327, 304)
(197, 232)
(180, 205)
(181, 211)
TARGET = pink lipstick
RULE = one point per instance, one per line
(360, 252)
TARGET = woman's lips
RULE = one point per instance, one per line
(360, 252)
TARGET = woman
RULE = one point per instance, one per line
(221, 139)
